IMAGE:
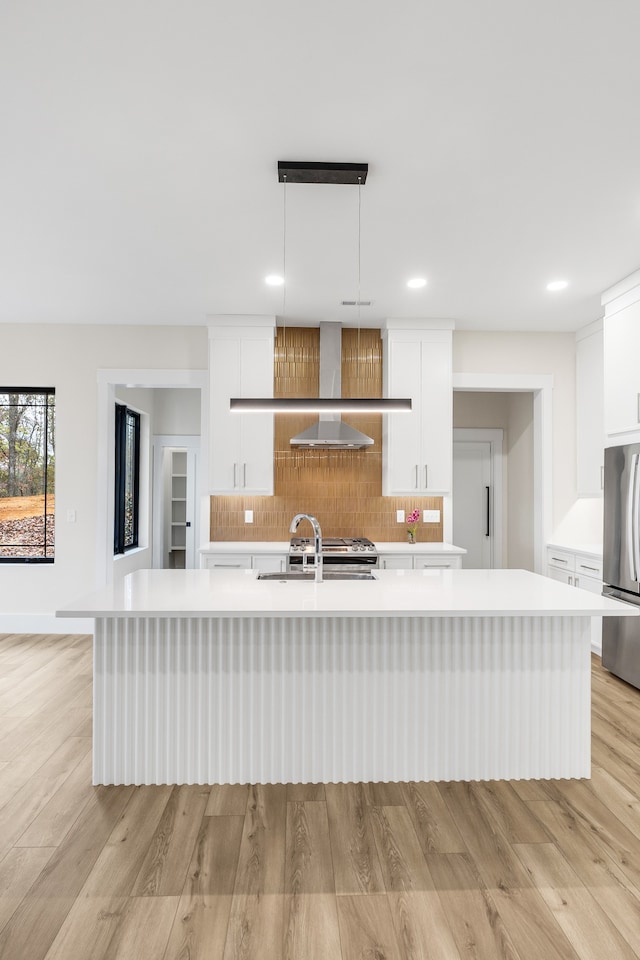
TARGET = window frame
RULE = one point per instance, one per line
(122, 414)
(45, 392)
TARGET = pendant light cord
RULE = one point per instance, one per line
(284, 266)
(359, 262)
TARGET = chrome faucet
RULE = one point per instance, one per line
(317, 542)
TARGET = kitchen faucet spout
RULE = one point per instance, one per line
(317, 542)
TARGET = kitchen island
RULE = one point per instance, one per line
(212, 677)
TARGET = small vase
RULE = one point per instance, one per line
(411, 537)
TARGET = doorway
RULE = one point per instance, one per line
(527, 515)
(175, 504)
(161, 387)
(477, 495)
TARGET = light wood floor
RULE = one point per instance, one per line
(526, 870)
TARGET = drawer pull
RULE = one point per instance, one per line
(583, 566)
(559, 560)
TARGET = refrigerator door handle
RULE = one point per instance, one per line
(636, 515)
(632, 519)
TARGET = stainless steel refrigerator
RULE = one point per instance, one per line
(621, 569)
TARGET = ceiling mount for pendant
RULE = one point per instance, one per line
(312, 171)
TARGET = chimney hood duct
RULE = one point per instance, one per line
(330, 431)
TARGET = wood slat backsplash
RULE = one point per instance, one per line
(342, 488)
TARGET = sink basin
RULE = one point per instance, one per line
(310, 577)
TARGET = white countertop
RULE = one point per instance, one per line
(246, 546)
(422, 549)
(589, 549)
(282, 546)
(428, 593)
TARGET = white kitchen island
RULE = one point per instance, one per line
(211, 677)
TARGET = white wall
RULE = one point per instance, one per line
(68, 357)
(176, 412)
(550, 354)
(520, 495)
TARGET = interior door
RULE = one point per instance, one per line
(473, 526)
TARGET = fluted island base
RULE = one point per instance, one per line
(340, 699)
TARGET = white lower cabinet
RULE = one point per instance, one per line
(269, 563)
(580, 570)
(277, 562)
(266, 562)
(422, 561)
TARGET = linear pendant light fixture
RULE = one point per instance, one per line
(319, 405)
(302, 171)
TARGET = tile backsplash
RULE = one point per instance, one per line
(342, 488)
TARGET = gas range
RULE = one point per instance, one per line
(357, 552)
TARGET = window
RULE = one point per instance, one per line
(127, 491)
(27, 467)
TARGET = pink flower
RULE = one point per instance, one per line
(414, 516)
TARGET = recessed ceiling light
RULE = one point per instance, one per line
(557, 285)
(274, 280)
(416, 283)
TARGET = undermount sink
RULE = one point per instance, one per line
(310, 577)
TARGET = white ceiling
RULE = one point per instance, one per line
(139, 143)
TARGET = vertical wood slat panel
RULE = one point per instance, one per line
(237, 700)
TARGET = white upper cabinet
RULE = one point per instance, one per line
(621, 367)
(417, 446)
(241, 444)
(590, 410)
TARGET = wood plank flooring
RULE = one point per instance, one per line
(522, 870)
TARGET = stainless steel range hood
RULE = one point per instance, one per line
(330, 431)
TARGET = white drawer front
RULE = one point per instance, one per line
(588, 566)
(221, 561)
(562, 559)
(443, 563)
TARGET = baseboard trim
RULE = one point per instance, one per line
(44, 623)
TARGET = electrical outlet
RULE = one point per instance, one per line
(248, 516)
(399, 516)
(431, 516)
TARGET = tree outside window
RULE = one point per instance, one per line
(27, 472)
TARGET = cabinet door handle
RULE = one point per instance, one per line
(235, 475)
(570, 581)
(416, 476)
(426, 476)
(244, 474)
(577, 582)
